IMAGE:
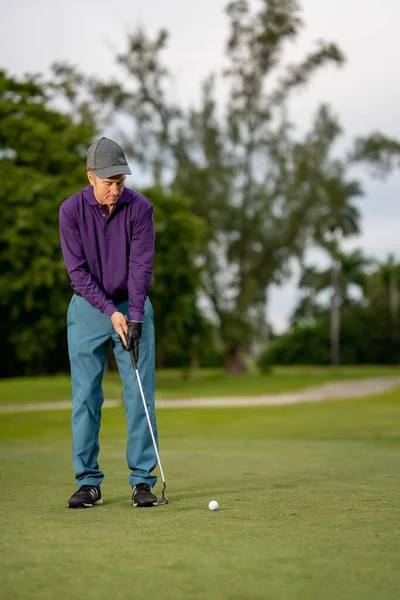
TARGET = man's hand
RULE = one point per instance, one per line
(133, 338)
(120, 323)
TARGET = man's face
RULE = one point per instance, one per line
(107, 191)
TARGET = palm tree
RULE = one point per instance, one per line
(312, 281)
(307, 311)
(346, 270)
(353, 271)
(339, 219)
(342, 221)
(383, 286)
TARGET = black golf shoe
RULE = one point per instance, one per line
(85, 497)
(143, 495)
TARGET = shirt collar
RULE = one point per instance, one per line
(89, 196)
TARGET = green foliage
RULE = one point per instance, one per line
(352, 272)
(378, 151)
(382, 286)
(263, 193)
(367, 337)
(42, 158)
(249, 179)
(303, 345)
(264, 362)
(347, 270)
(41, 164)
(180, 328)
(257, 179)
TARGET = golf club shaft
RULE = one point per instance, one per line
(148, 417)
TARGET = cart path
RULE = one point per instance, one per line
(343, 390)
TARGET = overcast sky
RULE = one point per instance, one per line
(365, 93)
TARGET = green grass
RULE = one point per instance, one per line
(48, 389)
(202, 383)
(309, 498)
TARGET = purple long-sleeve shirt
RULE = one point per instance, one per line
(109, 257)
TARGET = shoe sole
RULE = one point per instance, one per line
(85, 505)
(144, 504)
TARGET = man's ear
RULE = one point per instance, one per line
(91, 177)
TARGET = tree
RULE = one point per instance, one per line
(248, 178)
(41, 164)
(367, 337)
(263, 193)
(180, 327)
(383, 287)
(347, 270)
(312, 281)
(340, 220)
(249, 156)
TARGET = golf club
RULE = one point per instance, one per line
(163, 499)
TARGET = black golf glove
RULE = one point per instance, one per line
(133, 338)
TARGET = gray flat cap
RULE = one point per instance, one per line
(106, 159)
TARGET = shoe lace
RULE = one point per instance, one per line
(88, 488)
(145, 487)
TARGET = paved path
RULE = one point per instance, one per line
(329, 391)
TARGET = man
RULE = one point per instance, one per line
(107, 239)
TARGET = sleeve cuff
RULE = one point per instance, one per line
(136, 316)
(110, 309)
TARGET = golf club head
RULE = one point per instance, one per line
(163, 500)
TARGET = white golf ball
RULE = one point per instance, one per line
(213, 505)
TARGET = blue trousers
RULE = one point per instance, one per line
(89, 335)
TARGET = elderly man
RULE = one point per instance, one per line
(107, 239)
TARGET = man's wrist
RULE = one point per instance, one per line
(110, 309)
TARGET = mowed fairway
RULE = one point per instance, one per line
(309, 497)
(201, 383)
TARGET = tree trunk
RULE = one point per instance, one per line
(394, 300)
(266, 317)
(335, 316)
(234, 362)
(160, 358)
(309, 313)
